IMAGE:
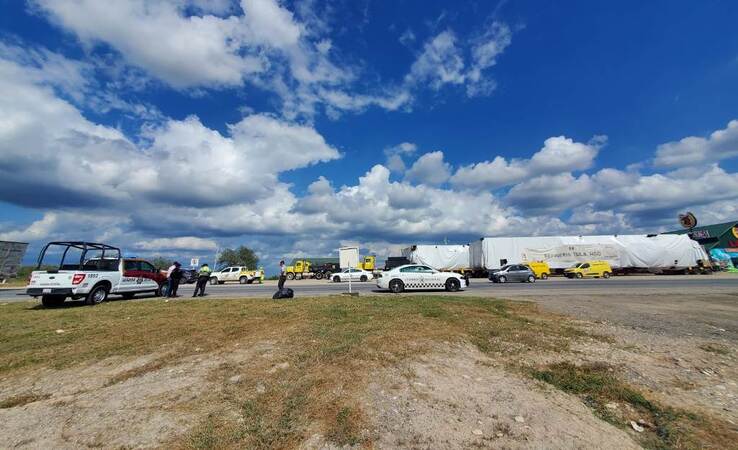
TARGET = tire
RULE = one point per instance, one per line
(453, 285)
(318, 276)
(544, 276)
(290, 276)
(336, 279)
(214, 281)
(396, 286)
(605, 274)
(52, 301)
(502, 279)
(97, 295)
(243, 280)
(579, 275)
(531, 279)
(363, 279)
(128, 295)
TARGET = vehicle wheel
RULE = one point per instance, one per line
(453, 285)
(52, 301)
(318, 276)
(336, 279)
(213, 281)
(363, 279)
(396, 286)
(531, 279)
(97, 295)
(544, 276)
(579, 275)
(290, 276)
(243, 280)
(502, 279)
(128, 295)
(606, 275)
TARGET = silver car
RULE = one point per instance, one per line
(512, 272)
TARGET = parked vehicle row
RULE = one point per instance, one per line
(323, 268)
(93, 271)
(530, 272)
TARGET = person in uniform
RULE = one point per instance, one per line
(203, 276)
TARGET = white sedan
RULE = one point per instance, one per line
(415, 276)
(354, 274)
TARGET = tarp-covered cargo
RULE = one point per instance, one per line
(621, 251)
(440, 257)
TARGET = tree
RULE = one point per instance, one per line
(242, 256)
(161, 263)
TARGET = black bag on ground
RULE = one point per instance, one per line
(284, 293)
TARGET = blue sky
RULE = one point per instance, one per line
(179, 127)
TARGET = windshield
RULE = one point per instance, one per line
(505, 267)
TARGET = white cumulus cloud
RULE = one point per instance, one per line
(693, 150)
(558, 155)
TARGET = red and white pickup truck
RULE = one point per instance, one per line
(91, 271)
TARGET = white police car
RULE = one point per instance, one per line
(420, 277)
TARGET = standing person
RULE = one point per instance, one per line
(175, 276)
(202, 279)
(282, 275)
(169, 278)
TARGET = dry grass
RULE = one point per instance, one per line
(23, 399)
(718, 349)
(324, 348)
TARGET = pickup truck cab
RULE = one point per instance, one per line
(91, 271)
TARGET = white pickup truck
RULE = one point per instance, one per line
(237, 273)
(91, 271)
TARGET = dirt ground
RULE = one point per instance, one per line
(459, 398)
(681, 352)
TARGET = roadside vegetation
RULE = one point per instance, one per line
(321, 354)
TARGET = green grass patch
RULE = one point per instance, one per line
(597, 385)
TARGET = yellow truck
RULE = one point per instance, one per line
(540, 269)
(368, 263)
(298, 269)
(594, 269)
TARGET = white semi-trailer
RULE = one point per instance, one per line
(653, 252)
(440, 257)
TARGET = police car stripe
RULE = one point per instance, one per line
(424, 285)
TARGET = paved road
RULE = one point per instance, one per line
(720, 283)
